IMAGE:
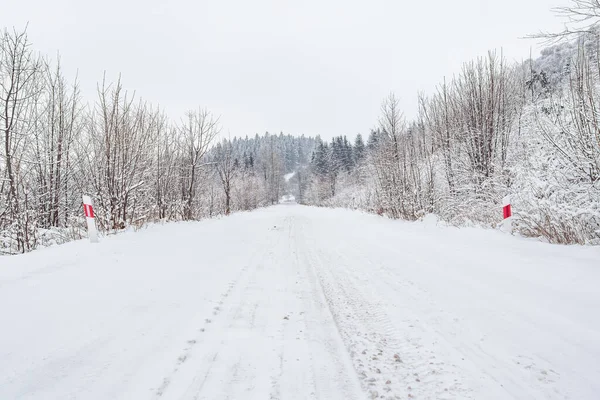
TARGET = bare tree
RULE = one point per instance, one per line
(485, 114)
(58, 126)
(581, 16)
(440, 120)
(390, 160)
(198, 130)
(167, 150)
(115, 154)
(19, 89)
(227, 166)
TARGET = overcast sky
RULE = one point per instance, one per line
(301, 67)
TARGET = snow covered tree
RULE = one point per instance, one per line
(227, 166)
(198, 130)
(358, 152)
(20, 88)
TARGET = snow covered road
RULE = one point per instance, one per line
(295, 302)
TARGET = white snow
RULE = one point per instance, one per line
(288, 198)
(289, 176)
(294, 302)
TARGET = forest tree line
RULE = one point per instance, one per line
(530, 130)
(137, 164)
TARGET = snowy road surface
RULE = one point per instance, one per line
(293, 302)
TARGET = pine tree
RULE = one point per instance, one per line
(373, 139)
(358, 152)
(320, 160)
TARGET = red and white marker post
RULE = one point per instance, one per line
(507, 212)
(88, 210)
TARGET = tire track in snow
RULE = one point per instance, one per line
(230, 372)
(390, 362)
(199, 340)
(443, 328)
(308, 321)
(334, 342)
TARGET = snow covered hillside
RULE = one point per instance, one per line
(295, 302)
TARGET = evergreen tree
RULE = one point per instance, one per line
(359, 149)
(373, 139)
(347, 155)
(320, 160)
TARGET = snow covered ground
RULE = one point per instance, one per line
(294, 302)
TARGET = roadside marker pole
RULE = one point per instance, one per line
(507, 211)
(88, 210)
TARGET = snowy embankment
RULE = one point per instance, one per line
(295, 302)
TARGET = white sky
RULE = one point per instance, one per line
(301, 67)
